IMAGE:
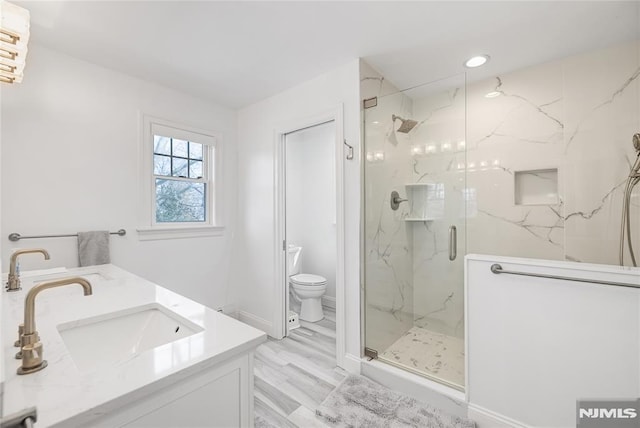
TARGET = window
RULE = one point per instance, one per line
(180, 186)
(179, 181)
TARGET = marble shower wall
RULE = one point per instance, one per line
(388, 247)
(548, 156)
(545, 156)
(437, 146)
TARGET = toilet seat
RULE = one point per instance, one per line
(308, 279)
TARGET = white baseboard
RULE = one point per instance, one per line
(234, 315)
(485, 418)
(229, 309)
(352, 363)
(255, 321)
(329, 301)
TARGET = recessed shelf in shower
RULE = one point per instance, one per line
(536, 187)
(424, 204)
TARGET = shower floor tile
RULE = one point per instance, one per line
(431, 353)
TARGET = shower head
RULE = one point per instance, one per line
(636, 142)
(406, 125)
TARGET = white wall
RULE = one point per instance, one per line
(536, 345)
(311, 200)
(254, 254)
(1, 270)
(70, 141)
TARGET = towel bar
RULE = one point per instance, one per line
(16, 236)
(497, 269)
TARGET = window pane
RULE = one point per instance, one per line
(179, 201)
(161, 145)
(195, 150)
(195, 169)
(179, 167)
(180, 148)
(161, 165)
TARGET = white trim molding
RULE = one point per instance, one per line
(485, 418)
(329, 301)
(352, 364)
(159, 232)
(254, 321)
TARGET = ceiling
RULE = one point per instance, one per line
(236, 52)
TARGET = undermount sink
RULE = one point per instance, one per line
(110, 339)
(57, 273)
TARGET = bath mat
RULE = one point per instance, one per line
(360, 402)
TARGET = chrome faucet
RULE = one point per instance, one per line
(30, 340)
(13, 281)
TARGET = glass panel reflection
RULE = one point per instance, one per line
(195, 169)
(180, 148)
(161, 145)
(161, 165)
(195, 150)
(179, 167)
(179, 201)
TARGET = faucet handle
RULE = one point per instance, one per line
(20, 332)
(25, 340)
(32, 359)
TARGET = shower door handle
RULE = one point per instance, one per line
(453, 243)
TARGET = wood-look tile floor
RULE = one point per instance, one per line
(294, 375)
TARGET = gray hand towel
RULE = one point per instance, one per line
(93, 248)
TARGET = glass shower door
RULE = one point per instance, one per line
(415, 206)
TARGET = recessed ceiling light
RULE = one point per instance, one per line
(492, 94)
(476, 61)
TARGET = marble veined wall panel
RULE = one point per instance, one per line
(576, 115)
(601, 115)
(438, 156)
(388, 273)
(515, 123)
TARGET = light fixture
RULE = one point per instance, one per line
(476, 61)
(492, 94)
(14, 35)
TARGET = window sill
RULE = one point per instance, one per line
(178, 232)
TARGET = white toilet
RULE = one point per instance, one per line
(307, 288)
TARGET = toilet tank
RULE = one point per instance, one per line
(293, 259)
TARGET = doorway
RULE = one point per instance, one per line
(310, 229)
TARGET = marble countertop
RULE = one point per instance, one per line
(64, 395)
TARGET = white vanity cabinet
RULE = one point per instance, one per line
(221, 396)
(133, 354)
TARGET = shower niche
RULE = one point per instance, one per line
(426, 201)
(536, 187)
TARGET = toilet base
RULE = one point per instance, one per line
(311, 310)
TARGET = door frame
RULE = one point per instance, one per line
(279, 323)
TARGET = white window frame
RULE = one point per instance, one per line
(149, 229)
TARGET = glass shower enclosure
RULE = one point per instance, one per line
(415, 205)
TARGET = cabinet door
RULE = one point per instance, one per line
(220, 396)
(216, 404)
